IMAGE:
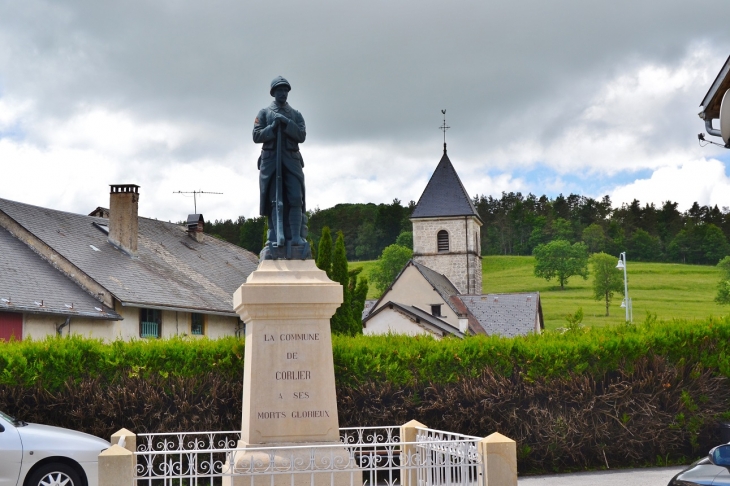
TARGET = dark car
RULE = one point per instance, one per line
(713, 470)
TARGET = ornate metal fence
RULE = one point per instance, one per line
(365, 456)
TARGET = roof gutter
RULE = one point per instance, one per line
(106, 316)
(179, 309)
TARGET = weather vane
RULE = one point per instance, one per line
(443, 128)
(195, 199)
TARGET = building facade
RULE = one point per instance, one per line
(115, 275)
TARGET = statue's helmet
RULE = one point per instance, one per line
(279, 81)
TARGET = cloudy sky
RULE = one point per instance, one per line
(546, 97)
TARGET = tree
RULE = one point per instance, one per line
(341, 322)
(644, 247)
(559, 259)
(606, 279)
(387, 267)
(324, 252)
(594, 237)
(714, 244)
(723, 286)
(405, 239)
(250, 234)
(358, 294)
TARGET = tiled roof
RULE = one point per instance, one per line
(473, 323)
(419, 316)
(171, 269)
(30, 284)
(444, 195)
(506, 314)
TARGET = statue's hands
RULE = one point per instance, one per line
(282, 119)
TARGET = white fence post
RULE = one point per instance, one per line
(408, 474)
(116, 467)
(499, 455)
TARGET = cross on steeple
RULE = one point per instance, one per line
(443, 128)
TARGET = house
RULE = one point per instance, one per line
(114, 274)
(438, 292)
(716, 105)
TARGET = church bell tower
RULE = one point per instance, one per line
(446, 230)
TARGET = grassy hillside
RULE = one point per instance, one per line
(671, 291)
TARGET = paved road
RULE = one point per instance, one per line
(656, 476)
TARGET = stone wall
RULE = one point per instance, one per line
(462, 263)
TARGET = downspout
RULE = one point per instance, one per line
(61, 326)
(710, 130)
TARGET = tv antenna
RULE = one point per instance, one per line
(443, 128)
(195, 194)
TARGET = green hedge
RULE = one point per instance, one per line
(395, 359)
(53, 361)
(625, 395)
(403, 360)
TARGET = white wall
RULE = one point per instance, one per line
(38, 326)
(391, 321)
(412, 288)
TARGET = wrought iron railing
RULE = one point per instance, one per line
(364, 456)
(149, 329)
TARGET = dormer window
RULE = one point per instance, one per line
(436, 310)
(442, 239)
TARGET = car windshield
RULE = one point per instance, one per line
(12, 420)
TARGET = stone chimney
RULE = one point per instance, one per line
(123, 209)
(195, 226)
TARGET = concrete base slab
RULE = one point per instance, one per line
(299, 466)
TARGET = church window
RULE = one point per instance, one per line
(442, 239)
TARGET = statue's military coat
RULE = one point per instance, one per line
(291, 160)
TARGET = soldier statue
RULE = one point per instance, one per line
(280, 128)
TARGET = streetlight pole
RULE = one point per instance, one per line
(627, 301)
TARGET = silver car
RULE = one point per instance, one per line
(713, 470)
(41, 455)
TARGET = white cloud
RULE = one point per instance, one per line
(703, 181)
(644, 117)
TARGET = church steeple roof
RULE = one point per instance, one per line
(444, 195)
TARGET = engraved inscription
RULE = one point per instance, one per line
(292, 355)
(271, 415)
(310, 414)
(301, 395)
(293, 375)
(303, 336)
(269, 338)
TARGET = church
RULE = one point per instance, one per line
(439, 292)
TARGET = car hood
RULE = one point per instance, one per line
(48, 438)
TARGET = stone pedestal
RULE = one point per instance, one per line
(288, 379)
(500, 456)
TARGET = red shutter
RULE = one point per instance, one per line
(11, 324)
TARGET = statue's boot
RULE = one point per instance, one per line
(295, 225)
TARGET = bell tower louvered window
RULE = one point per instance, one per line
(442, 239)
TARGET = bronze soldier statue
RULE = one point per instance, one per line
(280, 128)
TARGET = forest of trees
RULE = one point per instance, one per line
(515, 224)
